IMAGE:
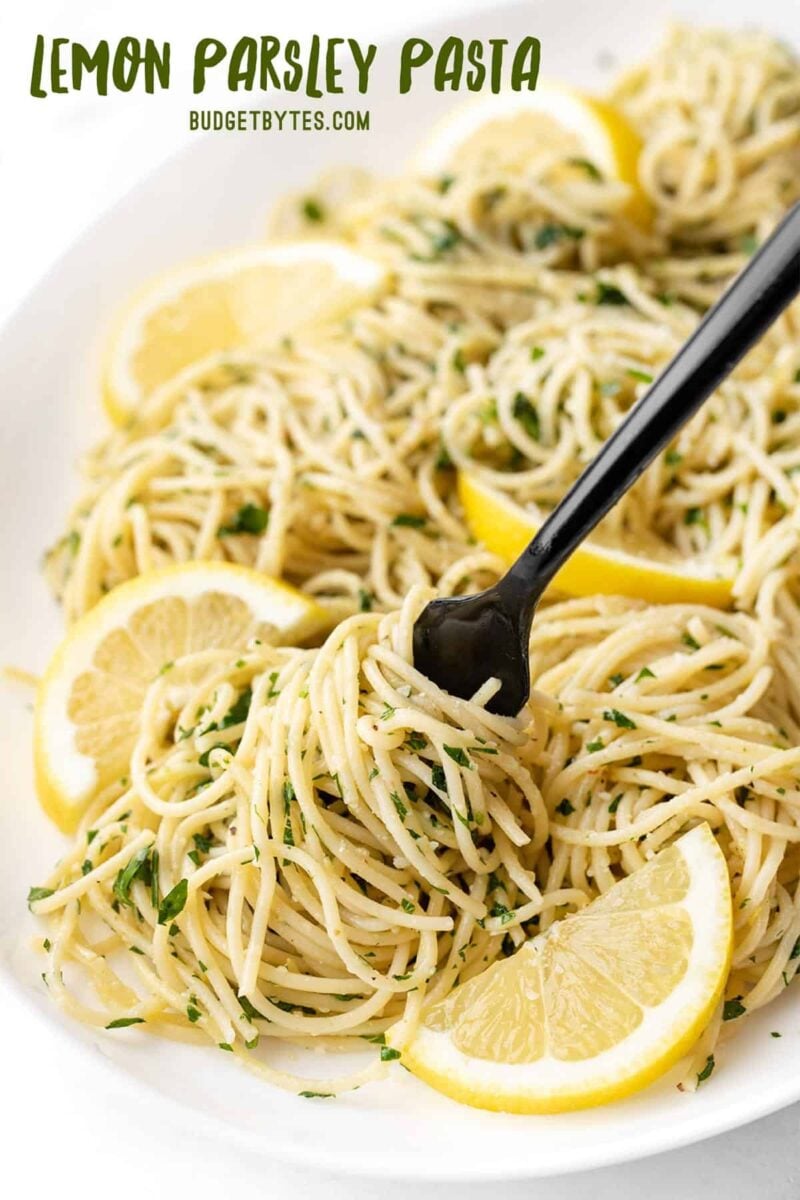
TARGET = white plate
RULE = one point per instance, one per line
(215, 194)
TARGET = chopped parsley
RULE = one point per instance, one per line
(205, 757)
(502, 911)
(619, 718)
(402, 811)
(553, 233)
(528, 417)
(416, 741)
(586, 165)
(458, 755)
(694, 516)
(733, 1008)
(409, 521)
(249, 519)
(565, 808)
(438, 778)
(124, 1022)
(249, 1009)
(38, 893)
(448, 237)
(139, 867)
(607, 293)
(313, 210)
(174, 902)
(288, 797)
(707, 1069)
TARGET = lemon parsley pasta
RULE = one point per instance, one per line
(311, 844)
(528, 311)
(320, 841)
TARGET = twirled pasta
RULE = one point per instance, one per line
(353, 841)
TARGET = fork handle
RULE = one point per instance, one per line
(759, 294)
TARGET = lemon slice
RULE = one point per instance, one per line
(509, 127)
(240, 297)
(91, 694)
(505, 528)
(601, 1004)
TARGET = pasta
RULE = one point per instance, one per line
(350, 841)
(354, 841)
(339, 838)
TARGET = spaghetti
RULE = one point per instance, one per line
(319, 841)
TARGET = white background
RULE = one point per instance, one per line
(62, 161)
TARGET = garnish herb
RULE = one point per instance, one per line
(733, 1008)
(528, 417)
(619, 719)
(586, 165)
(174, 902)
(249, 519)
(409, 520)
(707, 1069)
(458, 755)
(553, 233)
(313, 210)
(607, 293)
(137, 868)
(416, 741)
(402, 811)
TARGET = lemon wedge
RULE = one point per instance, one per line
(505, 528)
(509, 127)
(91, 694)
(242, 297)
(601, 1004)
